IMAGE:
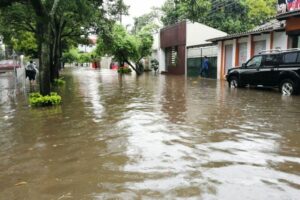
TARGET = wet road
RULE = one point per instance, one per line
(152, 137)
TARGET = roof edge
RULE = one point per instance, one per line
(286, 15)
(242, 34)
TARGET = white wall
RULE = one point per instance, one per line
(158, 53)
(105, 62)
(162, 60)
(209, 51)
(280, 40)
(197, 34)
(249, 47)
(263, 37)
(219, 60)
(234, 50)
(86, 48)
(156, 43)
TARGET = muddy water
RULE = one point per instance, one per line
(153, 137)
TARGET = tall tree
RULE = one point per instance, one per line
(170, 13)
(53, 21)
(152, 18)
(117, 9)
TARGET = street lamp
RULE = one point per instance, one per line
(14, 55)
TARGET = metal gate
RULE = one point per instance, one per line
(196, 57)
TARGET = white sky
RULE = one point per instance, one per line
(138, 8)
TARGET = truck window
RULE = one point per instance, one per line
(298, 60)
(255, 62)
(289, 58)
(270, 60)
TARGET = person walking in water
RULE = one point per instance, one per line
(31, 72)
(204, 69)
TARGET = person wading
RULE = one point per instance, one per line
(31, 72)
(204, 69)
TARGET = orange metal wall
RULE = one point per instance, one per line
(292, 24)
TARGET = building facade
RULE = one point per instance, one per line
(280, 33)
(236, 49)
(175, 45)
(289, 11)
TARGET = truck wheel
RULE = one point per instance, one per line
(233, 82)
(288, 87)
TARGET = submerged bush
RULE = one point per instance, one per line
(58, 82)
(37, 100)
(124, 70)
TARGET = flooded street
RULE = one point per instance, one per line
(152, 137)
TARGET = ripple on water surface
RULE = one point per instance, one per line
(150, 137)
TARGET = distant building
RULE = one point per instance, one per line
(236, 49)
(88, 48)
(179, 48)
(290, 12)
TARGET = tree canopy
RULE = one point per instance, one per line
(125, 47)
(227, 15)
(148, 19)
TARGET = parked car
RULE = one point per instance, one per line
(272, 68)
(8, 65)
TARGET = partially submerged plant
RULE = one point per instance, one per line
(124, 70)
(154, 64)
(38, 100)
(58, 82)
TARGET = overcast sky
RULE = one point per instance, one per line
(139, 7)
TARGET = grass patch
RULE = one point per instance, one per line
(38, 100)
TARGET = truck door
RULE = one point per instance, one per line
(268, 73)
(248, 75)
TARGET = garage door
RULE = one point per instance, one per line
(259, 46)
(228, 57)
(242, 53)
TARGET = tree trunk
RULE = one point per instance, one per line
(44, 56)
(135, 68)
(58, 26)
(52, 67)
(43, 38)
(57, 56)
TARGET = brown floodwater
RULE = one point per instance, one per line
(151, 137)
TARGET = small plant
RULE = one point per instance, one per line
(154, 64)
(38, 100)
(58, 82)
(124, 70)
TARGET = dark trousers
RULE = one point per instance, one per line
(204, 72)
(30, 74)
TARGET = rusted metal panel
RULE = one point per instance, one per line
(292, 25)
(173, 35)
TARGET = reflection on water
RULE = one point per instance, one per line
(150, 137)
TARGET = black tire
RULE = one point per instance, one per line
(288, 87)
(233, 82)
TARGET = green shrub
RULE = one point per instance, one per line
(124, 70)
(58, 82)
(154, 64)
(37, 100)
